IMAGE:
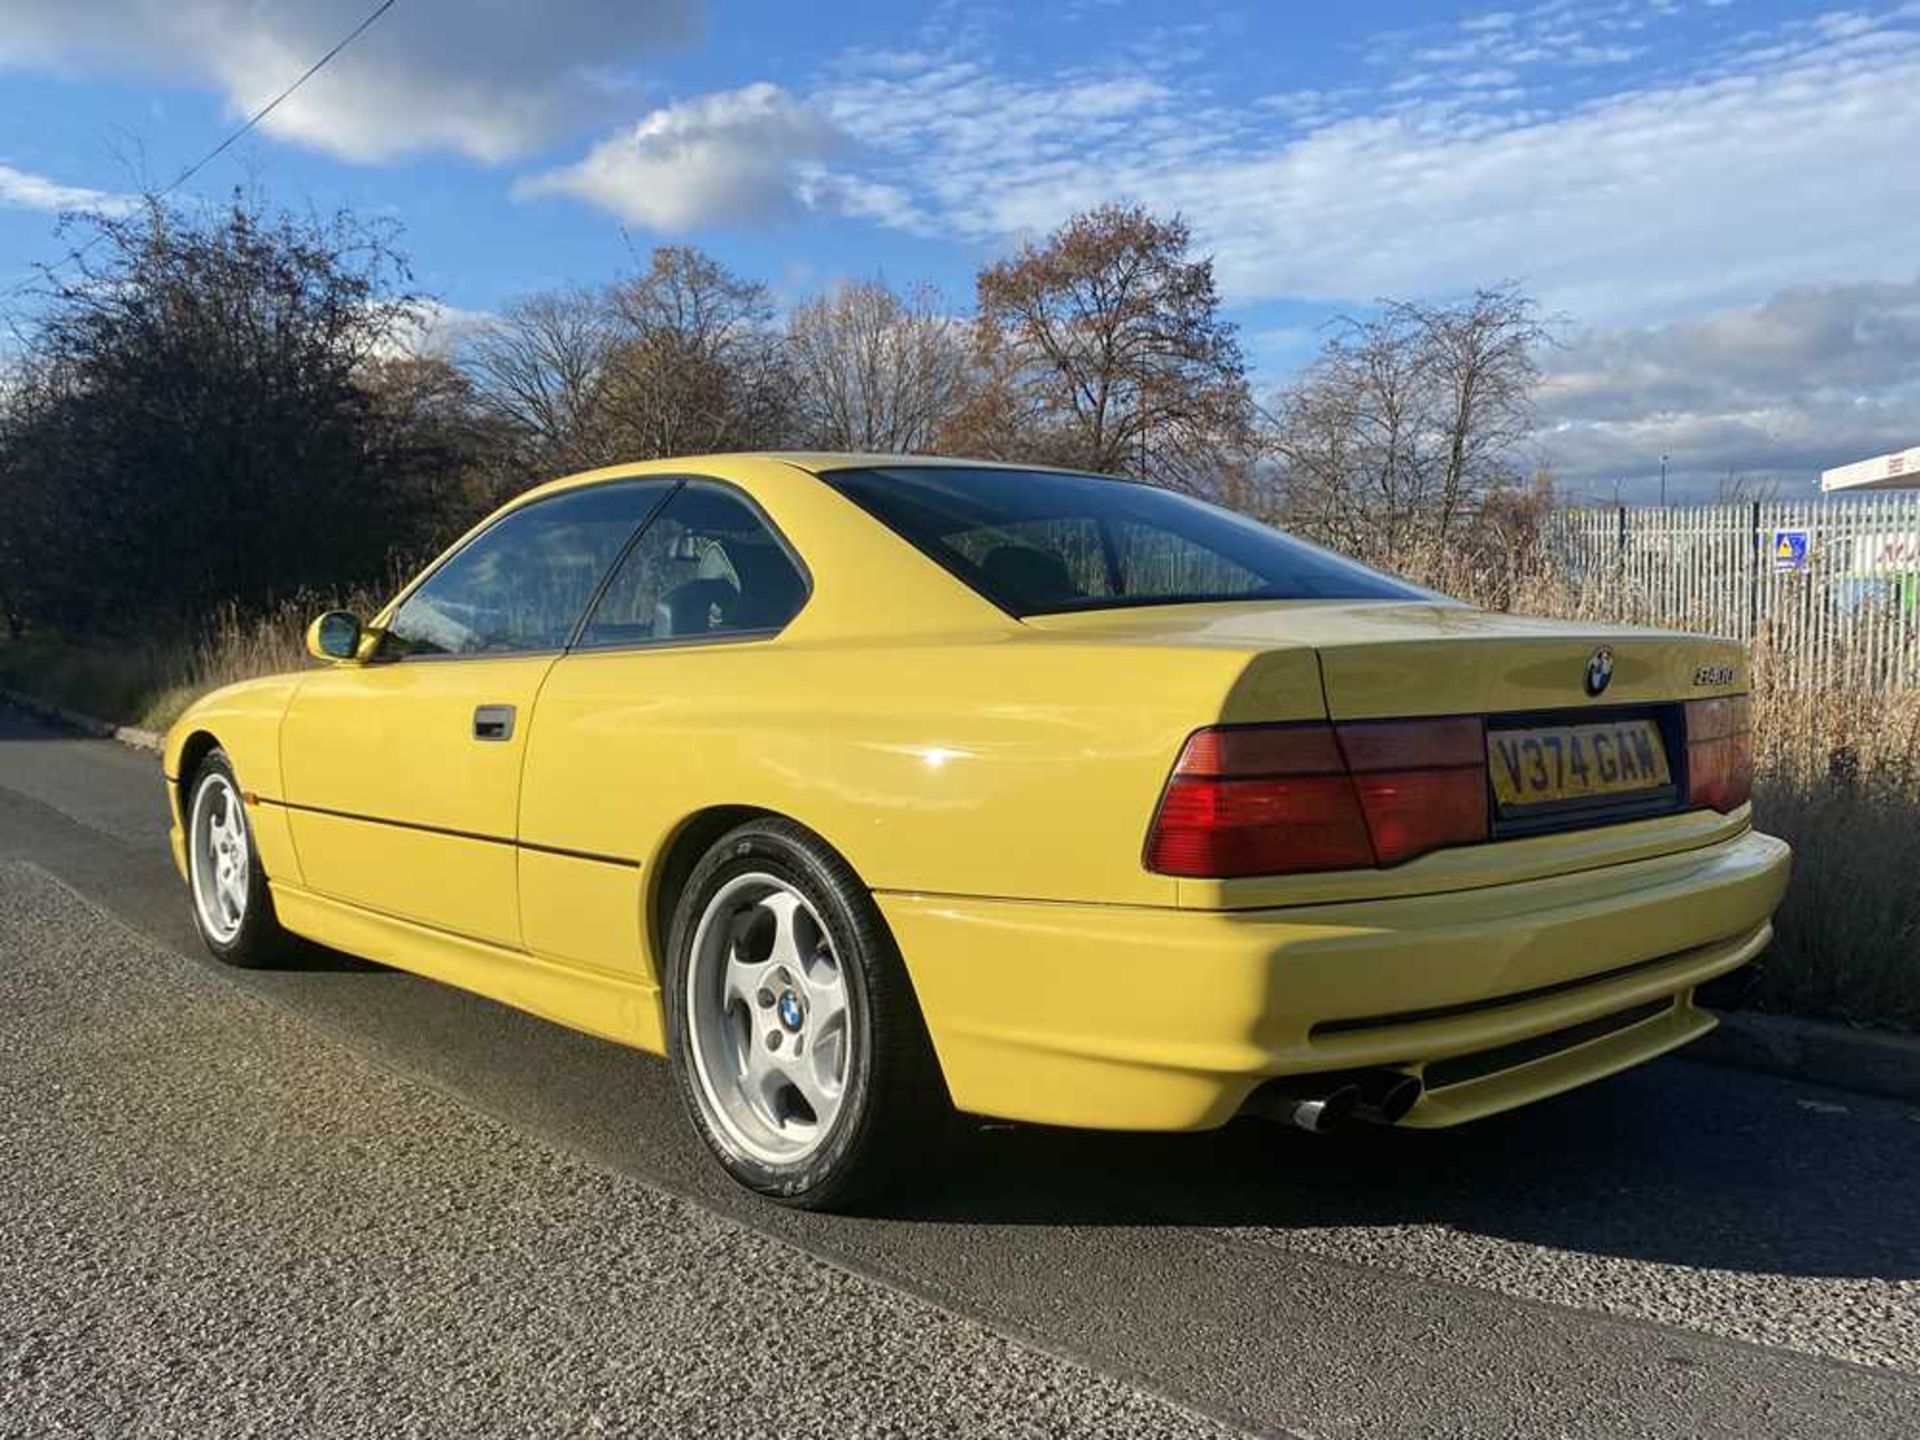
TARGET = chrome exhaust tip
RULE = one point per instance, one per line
(1387, 1095)
(1314, 1103)
(1320, 1113)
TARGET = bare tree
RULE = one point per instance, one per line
(1479, 361)
(1104, 347)
(697, 365)
(1406, 419)
(541, 367)
(1350, 437)
(876, 370)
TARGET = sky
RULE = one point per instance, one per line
(1717, 201)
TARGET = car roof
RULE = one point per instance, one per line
(725, 464)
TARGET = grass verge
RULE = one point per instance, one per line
(149, 682)
(1847, 938)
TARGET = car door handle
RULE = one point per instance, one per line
(493, 722)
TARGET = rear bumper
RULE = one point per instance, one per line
(1122, 1017)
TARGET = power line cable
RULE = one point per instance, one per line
(274, 104)
(252, 120)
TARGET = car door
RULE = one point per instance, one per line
(614, 748)
(402, 773)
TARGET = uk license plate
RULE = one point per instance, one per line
(1548, 763)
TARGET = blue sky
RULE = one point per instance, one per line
(1719, 197)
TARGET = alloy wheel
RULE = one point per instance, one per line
(771, 1019)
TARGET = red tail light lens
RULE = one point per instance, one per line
(1285, 799)
(1220, 827)
(1422, 783)
(1720, 752)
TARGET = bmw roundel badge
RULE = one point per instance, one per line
(1599, 670)
(789, 1009)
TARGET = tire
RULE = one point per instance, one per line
(232, 904)
(775, 943)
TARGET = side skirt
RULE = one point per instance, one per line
(615, 1009)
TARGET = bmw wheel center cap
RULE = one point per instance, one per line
(789, 1010)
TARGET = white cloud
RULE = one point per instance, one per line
(489, 80)
(988, 156)
(1812, 377)
(1785, 160)
(724, 159)
(25, 190)
(436, 331)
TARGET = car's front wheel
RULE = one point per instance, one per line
(799, 1048)
(232, 906)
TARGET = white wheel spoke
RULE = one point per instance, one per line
(761, 1067)
(768, 1077)
(743, 984)
(785, 906)
(826, 999)
(800, 1073)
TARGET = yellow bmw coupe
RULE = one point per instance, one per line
(867, 788)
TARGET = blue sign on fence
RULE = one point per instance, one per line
(1790, 549)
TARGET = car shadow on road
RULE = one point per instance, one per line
(306, 957)
(1679, 1163)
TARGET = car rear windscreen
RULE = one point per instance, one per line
(1044, 542)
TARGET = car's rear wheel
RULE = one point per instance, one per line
(799, 1048)
(232, 906)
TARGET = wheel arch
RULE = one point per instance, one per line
(193, 751)
(690, 839)
(681, 852)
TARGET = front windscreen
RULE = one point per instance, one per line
(1042, 542)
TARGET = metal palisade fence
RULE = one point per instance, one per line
(1831, 588)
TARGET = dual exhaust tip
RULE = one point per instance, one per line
(1320, 1103)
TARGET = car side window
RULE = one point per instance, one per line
(707, 565)
(523, 582)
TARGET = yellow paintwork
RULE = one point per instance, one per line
(1141, 1018)
(992, 781)
(395, 741)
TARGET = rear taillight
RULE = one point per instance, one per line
(1720, 752)
(1422, 783)
(1280, 799)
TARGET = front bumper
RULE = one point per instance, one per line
(1127, 1017)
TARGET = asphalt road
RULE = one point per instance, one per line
(340, 1200)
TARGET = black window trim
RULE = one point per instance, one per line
(949, 562)
(677, 642)
(413, 586)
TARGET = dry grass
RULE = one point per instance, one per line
(1837, 775)
(149, 682)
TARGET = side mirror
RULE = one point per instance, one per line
(335, 637)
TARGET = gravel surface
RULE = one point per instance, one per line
(221, 1222)
(1868, 1321)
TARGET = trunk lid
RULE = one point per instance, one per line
(1384, 659)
